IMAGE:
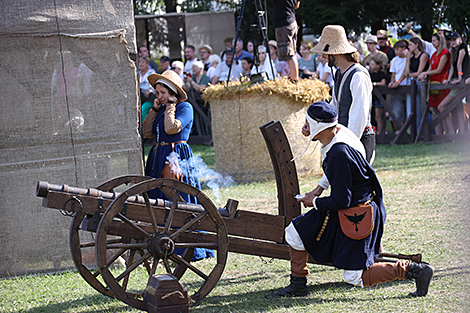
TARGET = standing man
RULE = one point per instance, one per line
(286, 34)
(371, 42)
(240, 53)
(190, 58)
(352, 90)
(384, 44)
(165, 63)
(144, 52)
(204, 53)
(319, 231)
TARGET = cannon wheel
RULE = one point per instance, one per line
(78, 248)
(159, 243)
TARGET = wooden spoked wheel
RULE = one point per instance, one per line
(153, 235)
(83, 250)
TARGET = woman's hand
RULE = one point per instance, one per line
(445, 81)
(457, 81)
(422, 77)
(172, 100)
(156, 104)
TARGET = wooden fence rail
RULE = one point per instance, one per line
(416, 134)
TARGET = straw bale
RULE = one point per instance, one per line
(237, 113)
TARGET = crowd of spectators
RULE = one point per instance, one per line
(443, 60)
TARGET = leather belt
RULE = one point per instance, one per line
(163, 143)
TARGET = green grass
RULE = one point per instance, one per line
(427, 197)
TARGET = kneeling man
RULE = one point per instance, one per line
(318, 232)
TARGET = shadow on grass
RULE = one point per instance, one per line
(451, 271)
(253, 301)
(68, 306)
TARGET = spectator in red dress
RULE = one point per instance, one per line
(440, 63)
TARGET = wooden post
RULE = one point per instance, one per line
(424, 104)
(414, 89)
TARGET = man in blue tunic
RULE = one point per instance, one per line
(318, 232)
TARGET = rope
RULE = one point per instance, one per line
(173, 293)
(66, 95)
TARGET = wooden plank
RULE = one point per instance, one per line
(285, 171)
(464, 137)
(457, 101)
(384, 138)
(248, 246)
(377, 92)
(402, 136)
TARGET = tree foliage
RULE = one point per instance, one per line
(456, 13)
(354, 15)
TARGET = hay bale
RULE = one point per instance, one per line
(239, 110)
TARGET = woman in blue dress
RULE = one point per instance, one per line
(169, 121)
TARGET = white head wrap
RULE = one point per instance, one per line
(317, 125)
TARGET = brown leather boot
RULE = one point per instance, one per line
(298, 278)
(297, 288)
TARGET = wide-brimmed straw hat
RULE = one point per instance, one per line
(170, 79)
(333, 41)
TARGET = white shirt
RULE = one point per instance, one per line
(322, 69)
(428, 47)
(211, 72)
(267, 68)
(144, 80)
(222, 70)
(398, 66)
(188, 66)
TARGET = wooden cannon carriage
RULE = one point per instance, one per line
(146, 232)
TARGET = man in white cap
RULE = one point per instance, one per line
(320, 233)
(224, 69)
(371, 42)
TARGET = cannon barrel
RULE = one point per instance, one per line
(43, 188)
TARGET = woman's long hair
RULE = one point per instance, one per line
(454, 54)
(419, 43)
(442, 42)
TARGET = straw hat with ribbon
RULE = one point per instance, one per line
(170, 79)
(333, 41)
